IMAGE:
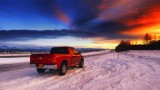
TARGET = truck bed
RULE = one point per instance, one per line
(42, 59)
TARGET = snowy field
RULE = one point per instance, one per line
(28, 54)
(133, 70)
(14, 60)
(96, 52)
(14, 54)
(26, 59)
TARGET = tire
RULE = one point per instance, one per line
(63, 69)
(81, 64)
(39, 70)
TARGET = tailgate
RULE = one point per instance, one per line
(42, 59)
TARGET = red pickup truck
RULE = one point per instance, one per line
(60, 58)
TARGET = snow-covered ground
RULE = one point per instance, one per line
(14, 54)
(131, 71)
(96, 52)
(145, 53)
(13, 60)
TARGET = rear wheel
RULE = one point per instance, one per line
(63, 68)
(40, 70)
(81, 64)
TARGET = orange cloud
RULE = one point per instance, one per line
(102, 7)
(62, 16)
(148, 23)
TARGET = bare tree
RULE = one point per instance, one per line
(147, 38)
(125, 42)
(158, 37)
(155, 37)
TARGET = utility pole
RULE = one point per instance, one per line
(118, 55)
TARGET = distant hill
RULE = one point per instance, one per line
(39, 49)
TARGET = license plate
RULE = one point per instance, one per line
(40, 65)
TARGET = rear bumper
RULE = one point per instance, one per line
(45, 66)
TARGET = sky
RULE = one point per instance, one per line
(78, 23)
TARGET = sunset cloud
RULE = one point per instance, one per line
(110, 20)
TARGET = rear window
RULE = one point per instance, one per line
(59, 50)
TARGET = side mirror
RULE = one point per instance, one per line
(79, 52)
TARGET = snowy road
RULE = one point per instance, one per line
(131, 71)
(14, 63)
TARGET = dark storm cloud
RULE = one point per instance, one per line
(110, 18)
(87, 11)
(91, 18)
(111, 29)
(16, 35)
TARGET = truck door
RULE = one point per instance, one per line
(76, 56)
(73, 57)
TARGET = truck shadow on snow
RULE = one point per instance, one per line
(71, 70)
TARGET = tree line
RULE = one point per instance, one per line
(149, 43)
